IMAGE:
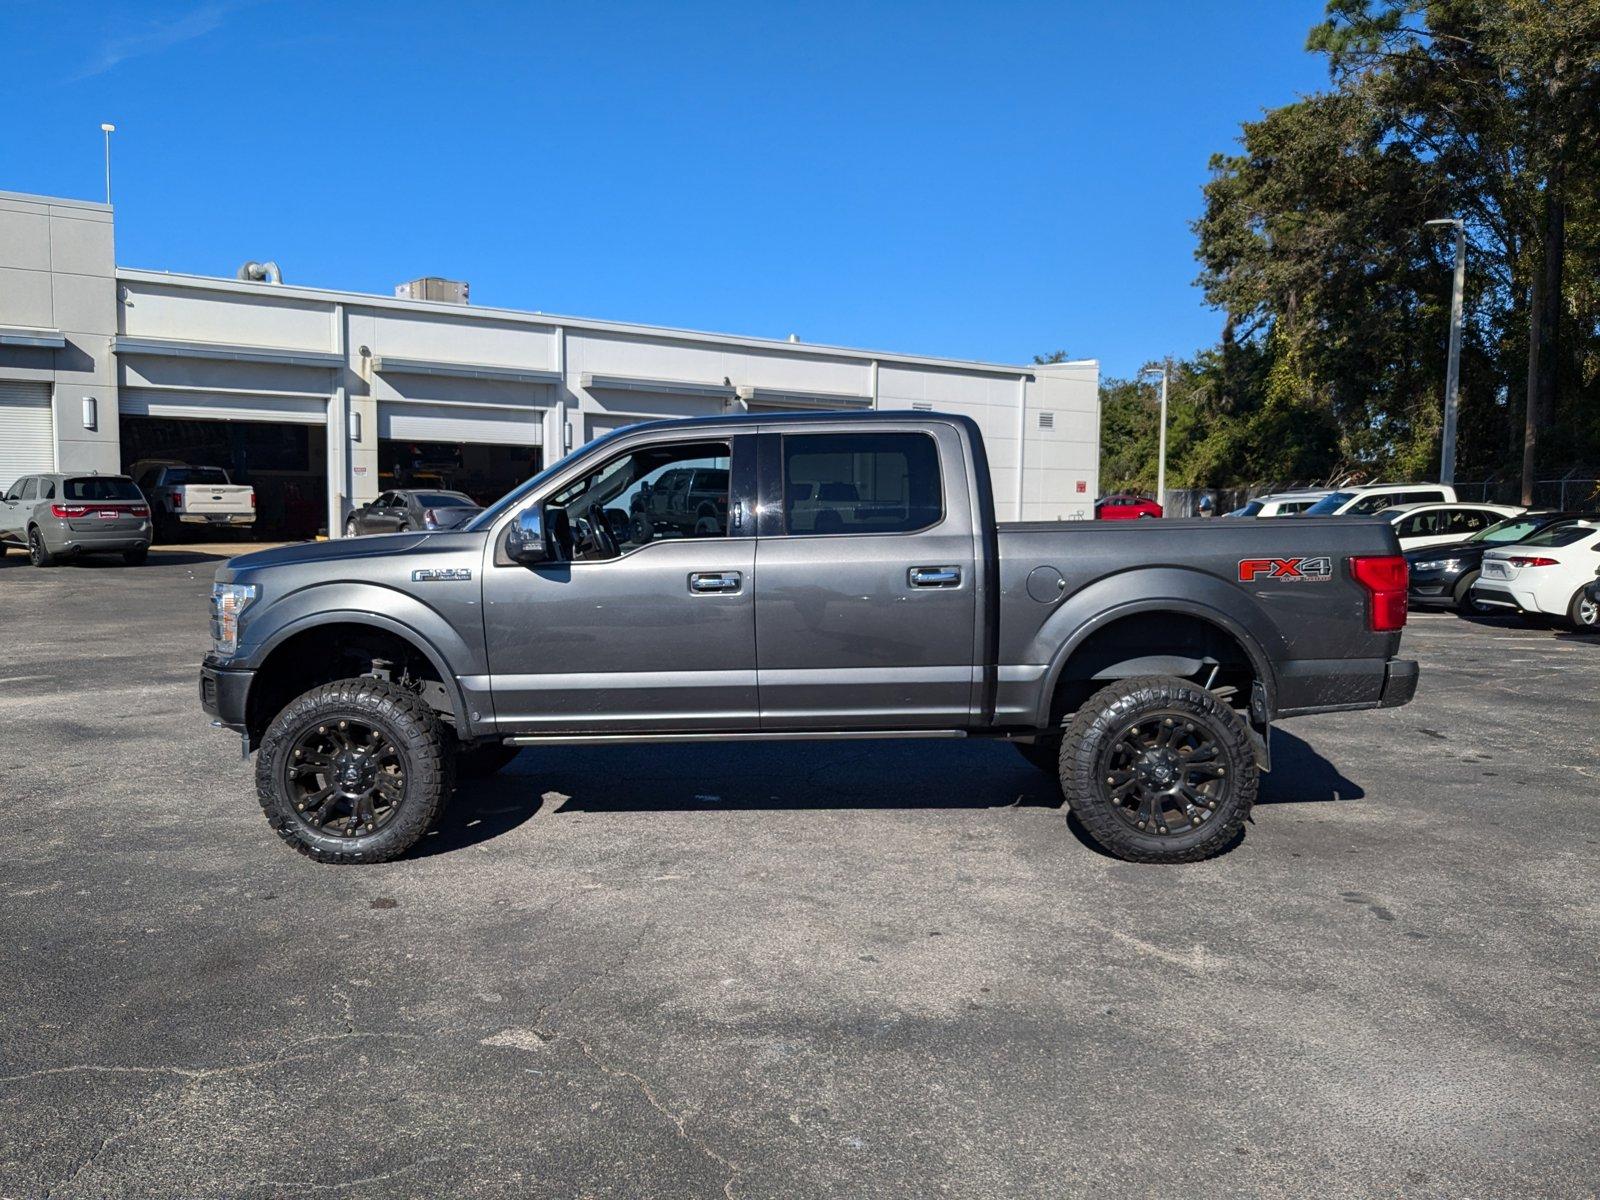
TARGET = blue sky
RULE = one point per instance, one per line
(978, 181)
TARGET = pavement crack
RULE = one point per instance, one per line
(679, 1120)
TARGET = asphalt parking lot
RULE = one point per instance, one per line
(796, 970)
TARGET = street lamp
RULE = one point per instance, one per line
(1452, 378)
(108, 130)
(1161, 451)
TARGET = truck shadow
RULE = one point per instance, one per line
(799, 776)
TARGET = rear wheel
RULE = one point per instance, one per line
(1583, 614)
(1159, 770)
(38, 555)
(357, 770)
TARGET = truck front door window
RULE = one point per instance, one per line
(848, 483)
(655, 493)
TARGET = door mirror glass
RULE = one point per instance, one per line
(526, 542)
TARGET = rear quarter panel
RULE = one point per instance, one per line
(1308, 637)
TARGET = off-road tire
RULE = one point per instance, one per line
(425, 744)
(1044, 754)
(1094, 733)
(1583, 614)
(38, 555)
(480, 762)
(135, 558)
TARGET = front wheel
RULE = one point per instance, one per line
(1159, 770)
(1466, 603)
(357, 770)
(1583, 614)
(350, 529)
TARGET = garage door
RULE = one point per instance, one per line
(461, 423)
(222, 406)
(27, 430)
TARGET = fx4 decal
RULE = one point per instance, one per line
(1293, 570)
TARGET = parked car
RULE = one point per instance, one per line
(1141, 669)
(1375, 497)
(1546, 575)
(1442, 576)
(399, 511)
(182, 494)
(1421, 525)
(1279, 504)
(1125, 506)
(62, 516)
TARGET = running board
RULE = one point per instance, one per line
(820, 735)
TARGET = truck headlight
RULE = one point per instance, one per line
(228, 600)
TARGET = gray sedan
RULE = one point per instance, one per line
(395, 512)
(59, 516)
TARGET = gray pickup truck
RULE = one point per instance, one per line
(855, 585)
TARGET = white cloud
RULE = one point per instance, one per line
(154, 36)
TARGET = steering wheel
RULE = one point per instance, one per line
(591, 534)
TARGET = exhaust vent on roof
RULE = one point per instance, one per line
(431, 287)
(1047, 420)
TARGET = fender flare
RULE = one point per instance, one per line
(299, 625)
(1260, 663)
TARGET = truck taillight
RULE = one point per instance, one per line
(69, 510)
(1385, 579)
(1529, 560)
(177, 499)
(252, 498)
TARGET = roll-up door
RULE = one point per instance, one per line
(222, 406)
(461, 423)
(27, 430)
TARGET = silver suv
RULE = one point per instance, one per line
(60, 516)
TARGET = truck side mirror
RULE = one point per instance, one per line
(527, 542)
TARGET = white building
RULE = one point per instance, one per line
(322, 399)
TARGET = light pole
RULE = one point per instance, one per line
(1161, 448)
(108, 130)
(1452, 377)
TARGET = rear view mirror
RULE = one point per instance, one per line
(527, 542)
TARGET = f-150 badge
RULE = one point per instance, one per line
(441, 575)
(1291, 570)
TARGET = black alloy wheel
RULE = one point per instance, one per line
(345, 777)
(37, 554)
(1165, 774)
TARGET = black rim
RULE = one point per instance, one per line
(1165, 774)
(35, 546)
(345, 777)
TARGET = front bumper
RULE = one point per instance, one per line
(225, 694)
(1399, 682)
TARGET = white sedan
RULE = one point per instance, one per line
(1419, 525)
(1547, 575)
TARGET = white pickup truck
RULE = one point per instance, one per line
(180, 494)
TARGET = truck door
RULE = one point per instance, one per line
(866, 580)
(646, 627)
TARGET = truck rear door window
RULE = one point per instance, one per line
(849, 483)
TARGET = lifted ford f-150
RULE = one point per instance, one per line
(854, 584)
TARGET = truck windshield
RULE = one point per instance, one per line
(101, 487)
(1329, 504)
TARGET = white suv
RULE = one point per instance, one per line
(1371, 498)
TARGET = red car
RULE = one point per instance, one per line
(1125, 507)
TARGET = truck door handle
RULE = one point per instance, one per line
(715, 581)
(935, 577)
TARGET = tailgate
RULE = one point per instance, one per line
(205, 499)
(110, 516)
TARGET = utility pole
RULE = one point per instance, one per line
(1161, 447)
(108, 130)
(1452, 379)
